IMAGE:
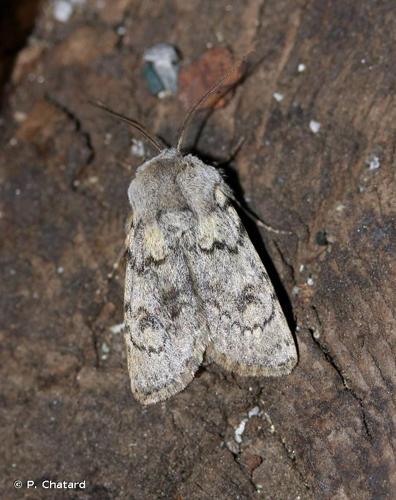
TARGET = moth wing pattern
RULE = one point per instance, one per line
(194, 283)
(165, 333)
(248, 331)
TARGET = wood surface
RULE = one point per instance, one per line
(67, 413)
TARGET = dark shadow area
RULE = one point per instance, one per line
(231, 177)
(17, 18)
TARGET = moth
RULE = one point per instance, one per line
(194, 283)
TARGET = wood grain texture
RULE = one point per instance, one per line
(325, 431)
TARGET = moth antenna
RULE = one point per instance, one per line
(133, 123)
(201, 100)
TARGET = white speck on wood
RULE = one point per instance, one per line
(373, 162)
(137, 148)
(254, 412)
(314, 126)
(62, 11)
(240, 430)
(117, 328)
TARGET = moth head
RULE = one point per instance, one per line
(144, 182)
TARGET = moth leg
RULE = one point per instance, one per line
(247, 210)
(235, 151)
(257, 219)
(231, 157)
(267, 227)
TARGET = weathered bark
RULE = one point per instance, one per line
(325, 431)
